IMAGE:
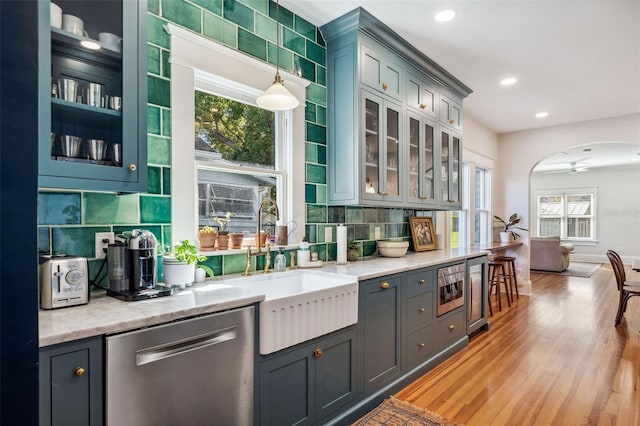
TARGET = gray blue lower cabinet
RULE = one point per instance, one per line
(309, 382)
(71, 383)
(379, 321)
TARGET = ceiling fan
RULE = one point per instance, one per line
(576, 167)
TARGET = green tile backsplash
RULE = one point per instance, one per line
(58, 208)
(182, 13)
(238, 13)
(67, 221)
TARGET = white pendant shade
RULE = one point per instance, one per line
(277, 97)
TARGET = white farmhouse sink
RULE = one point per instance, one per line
(301, 305)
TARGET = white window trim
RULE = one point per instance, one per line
(563, 218)
(191, 52)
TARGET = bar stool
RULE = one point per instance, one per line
(497, 274)
(511, 272)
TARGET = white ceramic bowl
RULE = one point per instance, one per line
(391, 248)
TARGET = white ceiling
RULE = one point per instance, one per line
(577, 60)
(586, 157)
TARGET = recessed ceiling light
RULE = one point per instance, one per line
(508, 81)
(445, 15)
(541, 114)
(90, 44)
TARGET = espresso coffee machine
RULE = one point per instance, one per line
(132, 268)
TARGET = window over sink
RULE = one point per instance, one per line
(194, 60)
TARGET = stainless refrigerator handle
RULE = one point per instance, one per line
(157, 353)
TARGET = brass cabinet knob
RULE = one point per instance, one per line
(79, 371)
(452, 121)
(132, 167)
(421, 345)
(423, 198)
(421, 310)
(384, 193)
(385, 86)
(317, 353)
(452, 327)
(422, 106)
(384, 285)
(421, 281)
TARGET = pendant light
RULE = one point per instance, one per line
(277, 97)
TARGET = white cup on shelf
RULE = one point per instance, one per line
(111, 41)
(56, 16)
(73, 24)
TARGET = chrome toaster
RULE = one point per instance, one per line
(64, 281)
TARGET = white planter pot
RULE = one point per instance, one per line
(178, 273)
(505, 237)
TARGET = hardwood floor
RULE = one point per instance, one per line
(553, 358)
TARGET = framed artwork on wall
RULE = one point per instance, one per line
(422, 233)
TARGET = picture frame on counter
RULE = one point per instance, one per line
(422, 233)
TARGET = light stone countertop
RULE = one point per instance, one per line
(107, 315)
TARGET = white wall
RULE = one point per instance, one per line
(617, 208)
(520, 151)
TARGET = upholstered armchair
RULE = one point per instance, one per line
(548, 254)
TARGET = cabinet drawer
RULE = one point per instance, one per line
(419, 310)
(420, 282)
(450, 328)
(419, 345)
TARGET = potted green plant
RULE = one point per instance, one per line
(353, 251)
(223, 233)
(179, 265)
(508, 233)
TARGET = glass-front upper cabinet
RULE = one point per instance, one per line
(382, 149)
(93, 94)
(421, 160)
(450, 168)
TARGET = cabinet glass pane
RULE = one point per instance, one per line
(414, 156)
(372, 115)
(455, 172)
(86, 84)
(428, 162)
(392, 148)
(444, 165)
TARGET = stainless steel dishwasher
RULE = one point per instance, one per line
(193, 372)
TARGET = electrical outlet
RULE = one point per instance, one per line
(103, 239)
(376, 232)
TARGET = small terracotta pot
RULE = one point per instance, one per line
(236, 240)
(207, 241)
(223, 241)
(263, 239)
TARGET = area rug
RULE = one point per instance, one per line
(393, 412)
(575, 269)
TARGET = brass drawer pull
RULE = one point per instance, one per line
(452, 327)
(421, 281)
(79, 371)
(384, 193)
(422, 106)
(385, 86)
(421, 345)
(421, 310)
(317, 353)
(384, 285)
(452, 121)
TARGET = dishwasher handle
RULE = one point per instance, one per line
(157, 353)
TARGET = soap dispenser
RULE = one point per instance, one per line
(280, 264)
(304, 255)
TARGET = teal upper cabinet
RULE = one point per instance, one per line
(385, 112)
(380, 70)
(93, 95)
(450, 112)
(421, 94)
